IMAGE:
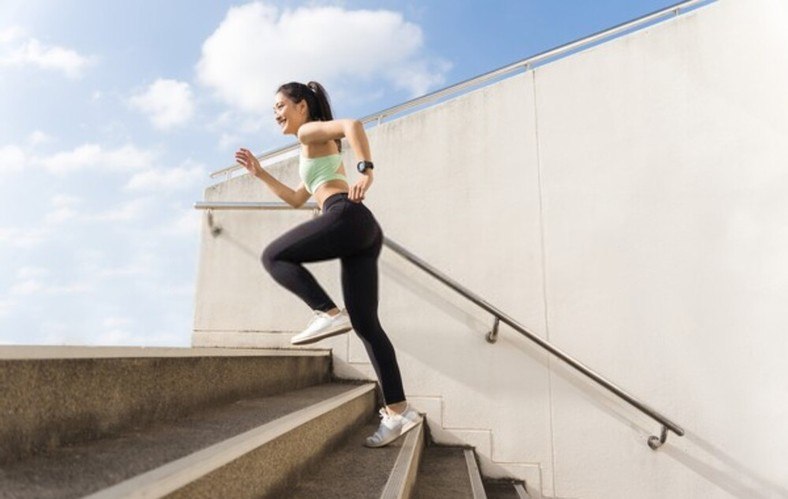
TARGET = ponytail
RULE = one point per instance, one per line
(317, 101)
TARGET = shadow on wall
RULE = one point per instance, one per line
(698, 455)
(465, 319)
(724, 471)
(217, 230)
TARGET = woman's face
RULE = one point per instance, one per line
(288, 114)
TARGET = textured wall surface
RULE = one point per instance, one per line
(627, 203)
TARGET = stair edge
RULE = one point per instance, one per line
(475, 476)
(403, 475)
(183, 471)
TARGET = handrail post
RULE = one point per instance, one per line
(656, 442)
(215, 229)
(492, 335)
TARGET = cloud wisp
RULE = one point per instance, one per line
(97, 157)
(187, 175)
(167, 103)
(257, 47)
(19, 49)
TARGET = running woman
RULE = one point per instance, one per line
(346, 229)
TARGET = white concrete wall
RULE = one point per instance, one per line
(626, 203)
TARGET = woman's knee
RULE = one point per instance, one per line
(269, 257)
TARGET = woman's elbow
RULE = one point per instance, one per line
(353, 126)
(298, 199)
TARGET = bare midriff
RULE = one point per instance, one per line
(328, 189)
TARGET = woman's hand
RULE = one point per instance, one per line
(359, 189)
(246, 159)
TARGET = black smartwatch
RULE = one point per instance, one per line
(363, 166)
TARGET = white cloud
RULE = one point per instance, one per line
(24, 238)
(63, 208)
(95, 157)
(114, 322)
(168, 103)
(97, 264)
(11, 33)
(35, 286)
(186, 223)
(115, 337)
(18, 49)
(132, 270)
(168, 179)
(132, 210)
(257, 47)
(12, 159)
(61, 333)
(26, 287)
(31, 272)
(6, 306)
(229, 140)
(38, 137)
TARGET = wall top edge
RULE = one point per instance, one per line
(27, 352)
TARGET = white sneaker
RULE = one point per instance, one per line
(322, 326)
(393, 426)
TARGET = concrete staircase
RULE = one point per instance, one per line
(109, 422)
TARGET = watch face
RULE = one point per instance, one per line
(362, 166)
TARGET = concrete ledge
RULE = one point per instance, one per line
(55, 395)
(403, 477)
(99, 352)
(477, 486)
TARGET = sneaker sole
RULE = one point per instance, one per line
(321, 336)
(405, 430)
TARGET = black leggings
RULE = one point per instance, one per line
(346, 230)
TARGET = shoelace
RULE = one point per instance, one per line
(384, 415)
(317, 315)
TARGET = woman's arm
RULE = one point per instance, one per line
(294, 198)
(353, 130)
(324, 131)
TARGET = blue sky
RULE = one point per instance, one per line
(112, 115)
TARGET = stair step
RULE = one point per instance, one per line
(354, 471)
(505, 490)
(51, 396)
(249, 448)
(449, 472)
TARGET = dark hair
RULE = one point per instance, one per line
(316, 100)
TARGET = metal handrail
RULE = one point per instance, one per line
(653, 441)
(252, 205)
(524, 64)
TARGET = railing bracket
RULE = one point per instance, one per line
(656, 442)
(492, 335)
(215, 229)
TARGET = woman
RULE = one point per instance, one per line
(346, 230)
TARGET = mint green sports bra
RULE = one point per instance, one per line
(317, 171)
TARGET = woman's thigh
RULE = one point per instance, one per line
(334, 234)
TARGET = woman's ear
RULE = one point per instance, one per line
(303, 109)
